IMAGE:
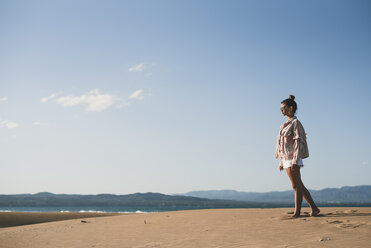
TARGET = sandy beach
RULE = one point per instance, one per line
(335, 227)
(8, 219)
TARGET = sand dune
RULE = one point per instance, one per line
(336, 227)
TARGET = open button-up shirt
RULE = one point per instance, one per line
(292, 141)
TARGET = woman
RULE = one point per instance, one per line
(291, 149)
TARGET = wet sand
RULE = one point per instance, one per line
(8, 219)
(335, 227)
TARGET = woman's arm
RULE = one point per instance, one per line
(276, 154)
(300, 147)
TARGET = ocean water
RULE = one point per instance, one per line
(89, 209)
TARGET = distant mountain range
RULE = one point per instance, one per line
(154, 201)
(355, 194)
(345, 196)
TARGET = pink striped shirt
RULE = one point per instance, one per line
(292, 141)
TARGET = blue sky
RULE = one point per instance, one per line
(174, 96)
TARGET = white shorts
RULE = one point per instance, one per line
(287, 163)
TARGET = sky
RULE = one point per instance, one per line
(173, 96)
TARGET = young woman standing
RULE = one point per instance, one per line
(291, 149)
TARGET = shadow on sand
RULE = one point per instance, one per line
(344, 213)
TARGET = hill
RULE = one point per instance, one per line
(355, 194)
(345, 196)
(139, 200)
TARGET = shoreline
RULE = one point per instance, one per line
(12, 219)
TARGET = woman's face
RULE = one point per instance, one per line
(286, 111)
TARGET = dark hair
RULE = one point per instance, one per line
(290, 102)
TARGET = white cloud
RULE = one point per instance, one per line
(93, 101)
(37, 123)
(48, 98)
(124, 104)
(364, 163)
(8, 124)
(136, 95)
(3, 99)
(139, 67)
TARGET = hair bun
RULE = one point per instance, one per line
(292, 97)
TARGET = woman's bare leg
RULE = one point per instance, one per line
(297, 185)
(300, 191)
(308, 198)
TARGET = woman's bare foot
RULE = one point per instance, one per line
(295, 215)
(315, 212)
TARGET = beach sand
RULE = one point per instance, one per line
(335, 227)
(8, 219)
